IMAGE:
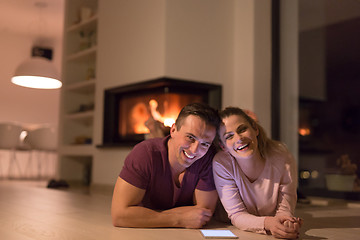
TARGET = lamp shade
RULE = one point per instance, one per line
(37, 72)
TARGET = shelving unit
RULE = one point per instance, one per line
(82, 54)
(79, 85)
(85, 116)
(82, 87)
(89, 23)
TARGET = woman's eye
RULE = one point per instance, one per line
(241, 129)
(228, 137)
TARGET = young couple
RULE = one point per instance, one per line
(175, 181)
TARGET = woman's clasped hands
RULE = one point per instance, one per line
(283, 226)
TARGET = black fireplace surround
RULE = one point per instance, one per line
(117, 103)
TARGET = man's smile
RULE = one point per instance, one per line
(190, 156)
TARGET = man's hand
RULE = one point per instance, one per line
(282, 226)
(126, 211)
(191, 216)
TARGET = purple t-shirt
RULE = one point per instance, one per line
(147, 167)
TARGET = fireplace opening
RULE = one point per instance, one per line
(148, 109)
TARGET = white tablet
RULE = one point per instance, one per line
(218, 234)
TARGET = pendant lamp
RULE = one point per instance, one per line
(37, 72)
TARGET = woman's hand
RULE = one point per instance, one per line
(295, 223)
(283, 226)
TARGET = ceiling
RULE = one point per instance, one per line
(24, 17)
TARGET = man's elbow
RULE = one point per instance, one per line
(118, 220)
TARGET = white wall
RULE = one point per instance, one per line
(200, 40)
(20, 104)
(203, 40)
(251, 86)
(289, 75)
(131, 48)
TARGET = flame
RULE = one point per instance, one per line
(139, 115)
(304, 131)
(154, 113)
(168, 121)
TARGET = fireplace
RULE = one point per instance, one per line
(146, 109)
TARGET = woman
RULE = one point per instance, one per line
(255, 178)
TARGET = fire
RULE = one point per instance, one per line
(146, 119)
(138, 116)
(168, 121)
(304, 131)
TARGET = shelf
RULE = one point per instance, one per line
(87, 86)
(85, 117)
(323, 192)
(82, 54)
(81, 115)
(90, 23)
(77, 150)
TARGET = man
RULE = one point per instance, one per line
(168, 182)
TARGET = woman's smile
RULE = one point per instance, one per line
(242, 147)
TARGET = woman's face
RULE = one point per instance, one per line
(239, 137)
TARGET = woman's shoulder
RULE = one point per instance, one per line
(223, 159)
(222, 156)
(223, 164)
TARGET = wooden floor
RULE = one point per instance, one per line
(28, 210)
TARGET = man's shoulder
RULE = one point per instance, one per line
(144, 156)
(151, 144)
(149, 150)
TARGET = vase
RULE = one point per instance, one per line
(340, 182)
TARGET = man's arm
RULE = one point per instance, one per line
(126, 212)
(206, 199)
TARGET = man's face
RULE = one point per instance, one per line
(192, 140)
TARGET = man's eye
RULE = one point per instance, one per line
(206, 145)
(191, 138)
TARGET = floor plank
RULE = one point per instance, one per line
(29, 211)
